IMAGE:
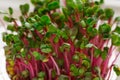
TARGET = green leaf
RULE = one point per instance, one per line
(8, 38)
(73, 32)
(76, 57)
(74, 70)
(42, 11)
(72, 67)
(88, 75)
(37, 56)
(23, 52)
(56, 39)
(54, 73)
(109, 13)
(89, 11)
(115, 39)
(83, 24)
(83, 43)
(45, 20)
(70, 4)
(85, 1)
(53, 5)
(101, 1)
(52, 29)
(96, 8)
(117, 29)
(81, 71)
(104, 28)
(89, 45)
(21, 18)
(86, 63)
(97, 52)
(96, 78)
(79, 5)
(117, 70)
(99, 12)
(10, 10)
(65, 46)
(11, 27)
(38, 26)
(25, 73)
(60, 62)
(7, 19)
(31, 20)
(41, 74)
(63, 77)
(16, 39)
(90, 21)
(104, 53)
(92, 31)
(46, 48)
(17, 46)
(24, 8)
(65, 11)
(117, 19)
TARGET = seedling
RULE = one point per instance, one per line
(56, 42)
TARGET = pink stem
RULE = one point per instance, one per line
(66, 62)
(112, 65)
(57, 68)
(38, 34)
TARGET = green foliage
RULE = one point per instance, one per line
(7, 19)
(52, 30)
(96, 78)
(105, 29)
(117, 30)
(104, 53)
(24, 8)
(83, 24)
(25, 73)
(76, 58)
(65, 46)
(10, 10)
(117, 70)
(76, 71)
(109, 13)
(45, 20)
(63, 77)
(117, 19)
(41, 74)
(46, 48)
(86, 63)
(115, 39)
(11, 27)
(53, 5)
(37, 56)
(97, 53)
(92, 31)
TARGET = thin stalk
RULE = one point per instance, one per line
(31, 70)
(47, 69)
(16, 25)
(57, 68)
(67, 65)
(105, 63)
(38, 34)
(112, 65)
(49, 74)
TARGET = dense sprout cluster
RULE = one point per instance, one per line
(68, 41)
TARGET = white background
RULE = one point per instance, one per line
(4, 4)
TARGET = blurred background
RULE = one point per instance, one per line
(4, 4)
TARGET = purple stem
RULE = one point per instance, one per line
(57, 68)
(67, 66)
